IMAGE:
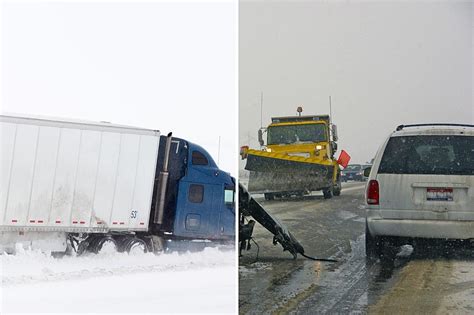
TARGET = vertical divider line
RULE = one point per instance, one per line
(11, 171)
(54, 175)
(135, 179)
(34, 174)
(96, 177)
(115, 182)
(75, 177)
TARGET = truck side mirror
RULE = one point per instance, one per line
(367, 171)
(260, 137)
(334, 133)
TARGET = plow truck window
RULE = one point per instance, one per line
(297, 133)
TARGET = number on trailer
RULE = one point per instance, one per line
(133, 215)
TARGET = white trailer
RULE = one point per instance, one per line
(60, 177)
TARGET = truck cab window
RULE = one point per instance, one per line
(229, 196)
(199, 158)
(196, 193)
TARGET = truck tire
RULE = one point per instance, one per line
(327, 193)
(299, 194)
(338, 186)
(136, 246)
(102, 244)
(337, 189)
(131, 244)
(373, 245)
(269, 196)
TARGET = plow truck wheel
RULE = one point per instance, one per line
(299, 194)
(269, 196)
(327, 192)
(337, 189)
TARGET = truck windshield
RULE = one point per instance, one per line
(296, 133)
(353, 168)
(443, 155)
(229, 196)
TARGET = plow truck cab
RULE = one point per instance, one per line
(296, 159)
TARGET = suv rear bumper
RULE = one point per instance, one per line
(421, 228)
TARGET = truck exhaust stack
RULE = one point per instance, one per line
(162, 183)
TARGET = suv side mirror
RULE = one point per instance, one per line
(367, 171)
(334, 133)
(260, 137)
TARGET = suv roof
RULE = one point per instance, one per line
(434, 129)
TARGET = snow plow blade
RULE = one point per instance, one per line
(248, 206)
(261, 161)
(273, 172)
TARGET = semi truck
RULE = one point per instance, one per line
(84, 186)
(297, 158)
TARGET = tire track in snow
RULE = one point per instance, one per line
(39, 268)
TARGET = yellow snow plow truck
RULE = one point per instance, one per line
(298, 158)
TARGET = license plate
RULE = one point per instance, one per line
(439, 194)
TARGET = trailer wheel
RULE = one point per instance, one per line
(136, 246)
(83, 246)
(130, 244)
(103, 244)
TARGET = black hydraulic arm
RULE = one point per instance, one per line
(249, 207)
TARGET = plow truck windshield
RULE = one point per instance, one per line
(287, 134)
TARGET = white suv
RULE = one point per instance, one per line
(421, 185)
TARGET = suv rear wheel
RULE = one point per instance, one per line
(373, 245)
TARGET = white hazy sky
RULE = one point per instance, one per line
(384, 64)
(162, 65)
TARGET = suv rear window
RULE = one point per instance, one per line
(439, 155)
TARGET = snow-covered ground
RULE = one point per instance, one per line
(202, 282)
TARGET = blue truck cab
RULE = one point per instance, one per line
(199, 199)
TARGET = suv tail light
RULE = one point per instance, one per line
(373, 192)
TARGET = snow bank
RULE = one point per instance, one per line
(193, 282)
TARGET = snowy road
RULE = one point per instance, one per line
(202, 282)
(432, 280)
